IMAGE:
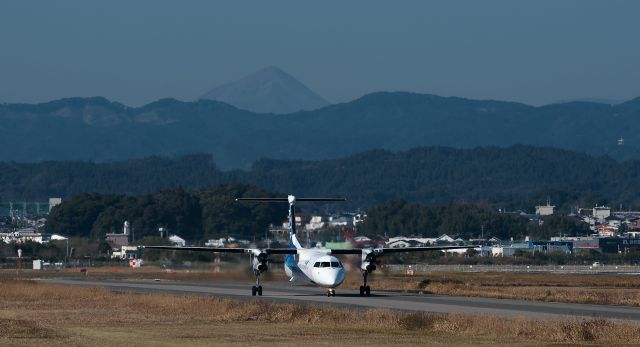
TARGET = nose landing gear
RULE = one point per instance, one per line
(257, 289)
(331, 292)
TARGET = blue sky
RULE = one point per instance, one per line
(137, 52)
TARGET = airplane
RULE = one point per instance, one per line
(318, 266)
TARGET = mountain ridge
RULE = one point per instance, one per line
(100, 130)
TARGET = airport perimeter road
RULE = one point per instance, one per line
(282, 292)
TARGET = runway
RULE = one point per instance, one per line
(284, 293)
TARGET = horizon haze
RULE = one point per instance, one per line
(135, 53)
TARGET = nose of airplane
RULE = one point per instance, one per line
(331, 278)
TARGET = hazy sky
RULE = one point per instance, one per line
(136, 52)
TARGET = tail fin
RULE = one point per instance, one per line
(293, 228)
(293, 240)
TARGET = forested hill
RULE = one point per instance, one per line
(99, 130)
(515, 177)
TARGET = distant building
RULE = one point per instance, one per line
(510, 250)
(342, 220)
(553, 246)
(618, 245)
(586, 244)
(127, 252)
(216, 242)
(545, 210)
(177, 240)
(633, 234)
(359, 218)
(403, 244)
(119, 240)
(315, 223)
(601, 212)
(447, 239)
(338, 245)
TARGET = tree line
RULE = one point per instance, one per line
(199, 215)
(196, 215)
(401, 218)
(518, 177)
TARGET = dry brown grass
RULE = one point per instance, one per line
(63, 315)
(22, 328)
(606, 289)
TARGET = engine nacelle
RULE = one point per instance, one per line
(260, 262)
(368, 260)
(368, 266)
(263, 257)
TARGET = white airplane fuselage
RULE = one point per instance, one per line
(315, 266)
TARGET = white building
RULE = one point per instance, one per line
(421, 240)
(343, 220)
(24, 235)
(126, 252)
(216, 243)
(545, 210)
(601, 212)
(177, 240)
(359, 218)
(315, 223)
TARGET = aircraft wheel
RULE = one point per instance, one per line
(254, 290)
(259, 290)
(361, 290)
(367, 291)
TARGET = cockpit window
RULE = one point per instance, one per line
(328, 264)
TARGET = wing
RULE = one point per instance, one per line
(381, 251)
(418, 249)
(200, 249)
(227, 250)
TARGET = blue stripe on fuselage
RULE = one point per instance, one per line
(290, 262)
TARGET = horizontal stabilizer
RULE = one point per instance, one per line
(289, 200)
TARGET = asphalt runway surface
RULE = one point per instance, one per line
(280, 292)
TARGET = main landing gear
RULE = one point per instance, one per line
(257, 289)
(365, 290)
(331, 292)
